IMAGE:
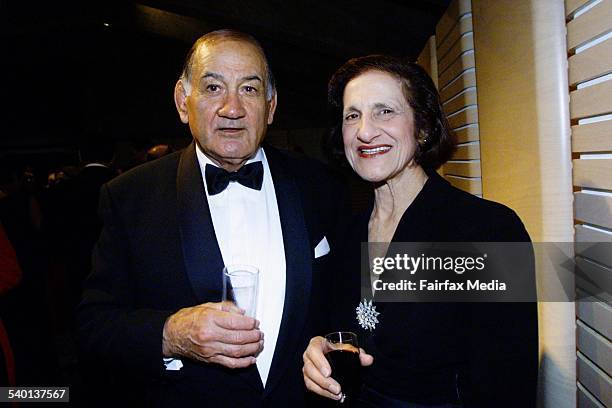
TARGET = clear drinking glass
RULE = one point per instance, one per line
(342, 353)
(240, 285)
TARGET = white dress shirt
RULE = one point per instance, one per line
(248, 230)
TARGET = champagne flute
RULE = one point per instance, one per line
(240, 286)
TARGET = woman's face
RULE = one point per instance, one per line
(377, 126)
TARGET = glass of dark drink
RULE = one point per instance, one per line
(342, 353)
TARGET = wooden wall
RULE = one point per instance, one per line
(589, 49)
(533, 110)
(456, 81)
(525, 151)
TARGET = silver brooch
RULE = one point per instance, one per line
(367, 315)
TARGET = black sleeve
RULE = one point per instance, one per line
(110, 328)
(503, 341)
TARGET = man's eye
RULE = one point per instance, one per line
(212, 88)
(386, 111)
(250, 89)
(351, 116)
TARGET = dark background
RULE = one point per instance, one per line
(79, 70)
(102, 73)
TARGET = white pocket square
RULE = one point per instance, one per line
(173, 364)
(322, 248)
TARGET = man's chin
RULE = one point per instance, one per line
(232, 162)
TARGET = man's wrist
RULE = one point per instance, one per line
(166, 343)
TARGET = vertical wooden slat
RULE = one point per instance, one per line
(462, 27)
(591, 101)
(465, 169)
(463, 81)
(467, 134)
(592, 137)
(593, 209)
(465, 117)
(584, 234)
(457, 80)
(471, 185)
(586, 399)
(463, 63)
(595, 380)
(589, 25)
(464, 44)
(572, 5)
(591, 63)
(596, 314)
(593, 173)
(596, 347)
(456, 9)
(467, 98)
(467, 152)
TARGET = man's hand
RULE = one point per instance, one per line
(317, 371)
(214, 333)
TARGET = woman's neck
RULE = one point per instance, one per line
(391, 199)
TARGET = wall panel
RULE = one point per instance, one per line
(457, 82)
(595, 380)
(593, 173)
(592, 137)
(465, 80)
(525, 151)
(590, 25)
(590, 83)
(467, 98)
(591, 101)
(467, 133)
(591, 63)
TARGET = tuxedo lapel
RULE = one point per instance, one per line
(203, 259)
(298, 267)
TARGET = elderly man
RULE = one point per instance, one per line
(152, 307)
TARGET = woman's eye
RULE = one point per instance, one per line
(384, 113)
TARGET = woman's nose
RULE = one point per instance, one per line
(367, 131)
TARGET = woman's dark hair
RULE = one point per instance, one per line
(434, 136)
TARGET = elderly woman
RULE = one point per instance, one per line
(420, 354)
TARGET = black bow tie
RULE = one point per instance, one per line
(250, 175)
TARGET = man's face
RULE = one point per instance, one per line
(226, 110)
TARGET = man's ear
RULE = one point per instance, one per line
(271, 108)
(180, 100)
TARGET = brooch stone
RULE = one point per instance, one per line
(367, 315)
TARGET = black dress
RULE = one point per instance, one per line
(469, 354)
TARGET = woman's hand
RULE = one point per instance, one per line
(317, 372)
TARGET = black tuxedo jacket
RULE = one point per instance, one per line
(158, 253)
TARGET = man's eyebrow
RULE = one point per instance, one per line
(252, 78)
(351, 108)
(212, 75)
(220, 77)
